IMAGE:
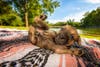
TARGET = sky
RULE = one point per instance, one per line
(72, 9)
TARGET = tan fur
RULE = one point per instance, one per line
(74, 34)
(39, 22)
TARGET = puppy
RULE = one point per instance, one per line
(45, 39)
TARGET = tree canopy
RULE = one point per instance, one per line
(22, 12)
(27, 9)
(91, 19)
(9, 16)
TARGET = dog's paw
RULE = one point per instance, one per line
(78, 52)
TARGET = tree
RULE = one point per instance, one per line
(86, 14)
(8, 16)
(91, 19)
(5, 8)
(34, 7)
(70, 22)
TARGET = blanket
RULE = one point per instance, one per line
(17, 51)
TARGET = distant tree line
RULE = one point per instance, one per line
(69, 22)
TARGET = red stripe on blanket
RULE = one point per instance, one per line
(81, 62)
(96, 51)
(60, 64)
(13, 50)
(70, 61)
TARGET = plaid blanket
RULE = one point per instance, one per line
(17, 51)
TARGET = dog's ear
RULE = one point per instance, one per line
(43, 16)
(40, 23)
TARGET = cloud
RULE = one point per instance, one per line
(56, 20)
(76, 16)
(93, 1)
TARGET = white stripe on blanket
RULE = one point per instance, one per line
(19, 54)
(53, 60)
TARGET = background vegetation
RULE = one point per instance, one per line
(22, 12)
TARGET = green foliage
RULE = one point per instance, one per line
(33, 8)
(10, 20)
(91, 19)
(49, 5)
(9, 16)
(69, 22)
(60, 24)
(16, 20)
(26, 9)
(5, 8)
(73, 23)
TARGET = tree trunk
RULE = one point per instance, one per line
(26, 19)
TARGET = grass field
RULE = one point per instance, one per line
(90, 37)
(11, 27)
(92, 33)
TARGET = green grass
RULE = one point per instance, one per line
(90, 37)
(91, 33)
(12, 27)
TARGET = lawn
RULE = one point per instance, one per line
(91, 33)
(90, 37)
(11, 27)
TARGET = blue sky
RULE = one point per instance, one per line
(72, 9)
